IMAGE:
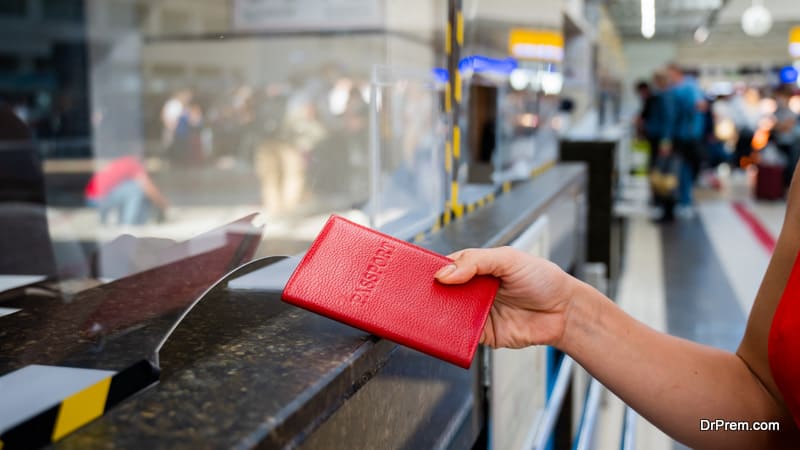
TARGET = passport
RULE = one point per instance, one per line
(386, 286)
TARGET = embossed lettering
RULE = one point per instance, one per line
(371, 277)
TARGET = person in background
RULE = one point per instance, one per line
(188, 142)
(123, 186)
(783, 132)
(654, 113)
(745, 109)
(646, 97)
(171, 112)
(683, 132)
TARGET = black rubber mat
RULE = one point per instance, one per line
(701, 304)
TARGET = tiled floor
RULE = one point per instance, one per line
(695, 278)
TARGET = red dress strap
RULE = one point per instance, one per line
(784, 343)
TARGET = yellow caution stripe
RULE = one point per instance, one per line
(542, 169)
(81, 408)
(448, 157)
(448, 39)
(455, 210)
(460, 28)
(448, 101)
(457, 142)
(457, 86)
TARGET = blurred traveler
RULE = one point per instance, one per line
(282, 161)
(684, 129)
(745, 109)
(654, 112)
(281, 169)
(123, 187)
(188, 141)
(171, 112)
(784, 131)
(676, 384)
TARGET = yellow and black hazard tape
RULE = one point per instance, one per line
(462, 209)
(79, 408)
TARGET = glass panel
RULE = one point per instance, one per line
(407, 126)
(149, 148)
(514, 87)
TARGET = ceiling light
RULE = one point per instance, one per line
(519, 79)
(648, 18)
(701, 34)
(756, 20)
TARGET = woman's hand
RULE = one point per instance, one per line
(532, 304)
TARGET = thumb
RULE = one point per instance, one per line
(475, 261)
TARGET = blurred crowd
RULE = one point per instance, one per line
(690, 129)
(296, 135)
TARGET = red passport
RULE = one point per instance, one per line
(386, 287)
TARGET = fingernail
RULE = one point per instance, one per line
(445, 271)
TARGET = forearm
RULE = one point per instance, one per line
(672, 382)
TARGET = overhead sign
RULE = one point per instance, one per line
(533, 44)
(794, 42)
(307, 15)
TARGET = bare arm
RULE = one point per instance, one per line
(672, 382)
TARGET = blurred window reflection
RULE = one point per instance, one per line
(162, 120)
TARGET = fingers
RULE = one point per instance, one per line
(470, 262)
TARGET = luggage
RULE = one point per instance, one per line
(769, 182)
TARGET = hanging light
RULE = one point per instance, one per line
(701, 34)
(648, 18)
(756, 20)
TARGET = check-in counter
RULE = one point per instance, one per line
(244, 370)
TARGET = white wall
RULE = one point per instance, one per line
(643, 58)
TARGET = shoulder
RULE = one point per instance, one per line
(754, 347)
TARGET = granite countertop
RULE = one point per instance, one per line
(245, 370)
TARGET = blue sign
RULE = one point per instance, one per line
(788, 75)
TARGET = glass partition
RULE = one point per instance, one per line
(147, 149)
(514, 79)
(408, 127)
(166, 119)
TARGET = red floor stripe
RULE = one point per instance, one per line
(761, 233)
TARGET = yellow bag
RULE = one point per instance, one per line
(664, 184)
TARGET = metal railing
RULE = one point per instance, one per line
(542, 434)
(591, 409)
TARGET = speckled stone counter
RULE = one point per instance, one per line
(245, 370)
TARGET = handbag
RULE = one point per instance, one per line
(664, 176)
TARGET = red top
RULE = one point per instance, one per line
(104, 181)
(784, 343)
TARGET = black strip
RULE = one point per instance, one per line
(130, 381)
(33, 433)
(701, 304)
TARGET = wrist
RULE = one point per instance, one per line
(580, 316)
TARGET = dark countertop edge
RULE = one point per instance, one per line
(514, 229)
(354, 372)
(494, 224)
(365, 363)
